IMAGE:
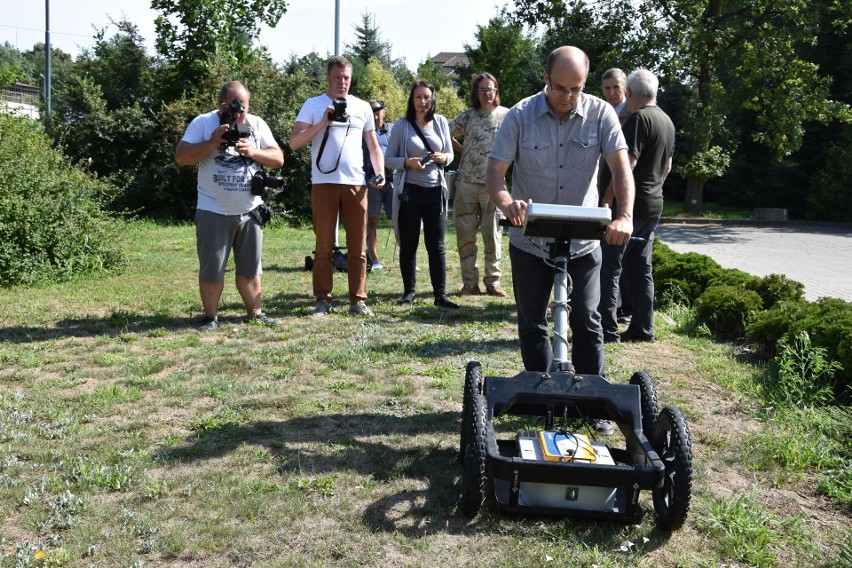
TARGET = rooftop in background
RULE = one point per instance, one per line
(21, 99)
(450, 61)
(21, 93)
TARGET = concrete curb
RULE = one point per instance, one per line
(754, 223)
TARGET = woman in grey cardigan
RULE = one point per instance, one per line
(419, 148)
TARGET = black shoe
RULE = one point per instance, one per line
(627, 337)
(406, 298)
(612, 338)
(444, 302)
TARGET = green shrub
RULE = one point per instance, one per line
(732, 277)
(727, 310)
(683, 275)
(828, 323)
(776, 288)
(52, 225)
(769, 326)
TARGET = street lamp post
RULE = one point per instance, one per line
(337, 27)
(47, 54)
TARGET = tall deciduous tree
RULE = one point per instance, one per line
(734, 54)
(378, 82)
(14, 66)
(616, 35)
(743, 53)
(505, 51)
(434, 73)
(190, 32)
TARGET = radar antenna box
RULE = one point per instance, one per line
(565, 222)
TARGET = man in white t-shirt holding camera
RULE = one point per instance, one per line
(230, 146)
(335, 123)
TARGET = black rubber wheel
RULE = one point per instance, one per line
(472, 386)
(672, 443)
(473, 474)
(648, 402)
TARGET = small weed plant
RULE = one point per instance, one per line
(801, 375)
(745, 530)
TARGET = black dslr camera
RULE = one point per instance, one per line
(339, 113)
(261, 180)
(236, 131)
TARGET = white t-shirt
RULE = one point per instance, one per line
(224, 177)
(350, 171)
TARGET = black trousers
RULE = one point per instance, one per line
(424, 205)
(630, 263)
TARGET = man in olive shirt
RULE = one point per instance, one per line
(650, 137)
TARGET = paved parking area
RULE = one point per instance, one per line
(819, 257)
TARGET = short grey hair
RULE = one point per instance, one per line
(643, 84)
(615, 73)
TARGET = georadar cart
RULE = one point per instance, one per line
(552, 468)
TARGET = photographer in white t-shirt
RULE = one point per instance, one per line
(334, 124)
(230, 146)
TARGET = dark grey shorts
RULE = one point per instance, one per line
(378, 197)
(216, 235)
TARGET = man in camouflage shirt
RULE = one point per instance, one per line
(472, 207)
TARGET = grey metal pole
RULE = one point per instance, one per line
(47, 54)
(337, 52)
(337, 27)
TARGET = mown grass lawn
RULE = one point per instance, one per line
(127, 438)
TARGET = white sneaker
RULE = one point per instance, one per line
(360, 309)
(322, 308)
(377, 266)
(603, 426)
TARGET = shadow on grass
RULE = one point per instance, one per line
(325, 444)
(117, 323)
(284, 269)
(384, 304)
(333, 443)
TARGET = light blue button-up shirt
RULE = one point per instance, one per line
(556, 161)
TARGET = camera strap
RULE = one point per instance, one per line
(420, 134)
(322, 148)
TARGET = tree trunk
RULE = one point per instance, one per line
(694, 198)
